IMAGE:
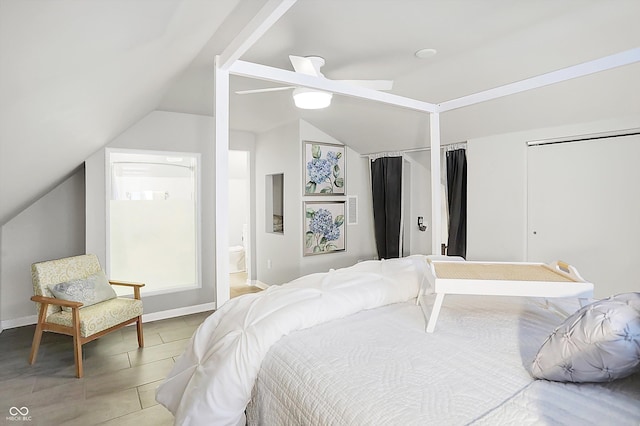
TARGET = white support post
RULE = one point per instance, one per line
(436, 193)
(222, 183)
(260, 24)
(608, 62)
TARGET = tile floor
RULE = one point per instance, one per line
(119, 383)
(238, 285)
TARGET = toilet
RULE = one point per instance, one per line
(236, 259)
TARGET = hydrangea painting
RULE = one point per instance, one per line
(324, 169)
(324, 227)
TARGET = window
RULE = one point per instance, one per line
(153, 219)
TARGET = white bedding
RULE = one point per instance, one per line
(211, 382)
(349, 347)
(379, 367)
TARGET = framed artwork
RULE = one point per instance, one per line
(324, 169)
(324, 229)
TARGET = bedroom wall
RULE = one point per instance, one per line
(54, 226)
(51, 228)
(420, 202)
(497, 193)
(167, 131)
(280, 151)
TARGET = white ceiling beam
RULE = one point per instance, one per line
(260, 24)
(263, 72)
(608, 62)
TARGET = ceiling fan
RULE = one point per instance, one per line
(311, 98)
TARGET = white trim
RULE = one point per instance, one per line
(259, 284)
(178, 312)
(19, 322)
(154, 316)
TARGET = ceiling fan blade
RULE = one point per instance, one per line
(310, 65)
(371, 84)
(268, 89)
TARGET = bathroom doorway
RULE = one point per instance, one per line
(240, 204)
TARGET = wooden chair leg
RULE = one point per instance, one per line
(77, 343)
(139, 330)
(37, 335)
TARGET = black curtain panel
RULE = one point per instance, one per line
(457, 199)
(386, 185)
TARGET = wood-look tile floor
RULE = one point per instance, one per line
(238, 285)
(119, 383)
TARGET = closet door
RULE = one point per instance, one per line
(584, 208)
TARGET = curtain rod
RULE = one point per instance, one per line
(427, 148)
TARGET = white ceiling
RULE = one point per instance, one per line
(75, 74)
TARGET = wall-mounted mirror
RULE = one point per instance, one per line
(274, 205)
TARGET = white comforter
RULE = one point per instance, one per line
(211, 382)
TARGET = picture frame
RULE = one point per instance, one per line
(324, 169)
(324, 227)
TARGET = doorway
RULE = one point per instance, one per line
(240, 238)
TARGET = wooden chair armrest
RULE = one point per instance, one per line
(136, 287)
(126, 284)
(58, 302)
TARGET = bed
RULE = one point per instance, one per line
(349, 347)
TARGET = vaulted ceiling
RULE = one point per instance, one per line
(75, 74)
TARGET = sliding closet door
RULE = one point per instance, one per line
(584, 208)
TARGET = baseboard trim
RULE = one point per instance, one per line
(178, 312)
(259, 284)
(154, 316)
(19, 322)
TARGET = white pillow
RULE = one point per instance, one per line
(90, 290)
(598, 343)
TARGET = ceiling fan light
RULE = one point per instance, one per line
(311, 99)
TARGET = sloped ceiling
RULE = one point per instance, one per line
(75, 74)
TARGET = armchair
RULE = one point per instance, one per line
(84, 323)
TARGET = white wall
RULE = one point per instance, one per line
(166, 131)
(277, 151)
(51, 228)
(54, 226)
(496, 199)
(280, 151)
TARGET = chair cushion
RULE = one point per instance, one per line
(103, 315)
(89, 290)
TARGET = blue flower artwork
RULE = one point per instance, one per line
(324, 227)
(324, 168)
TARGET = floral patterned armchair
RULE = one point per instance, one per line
(82, 315)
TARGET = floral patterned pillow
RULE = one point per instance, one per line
(90, 290)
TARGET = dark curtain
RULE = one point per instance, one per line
(386, 186)
(457, 199)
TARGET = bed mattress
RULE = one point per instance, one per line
(378, 367)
